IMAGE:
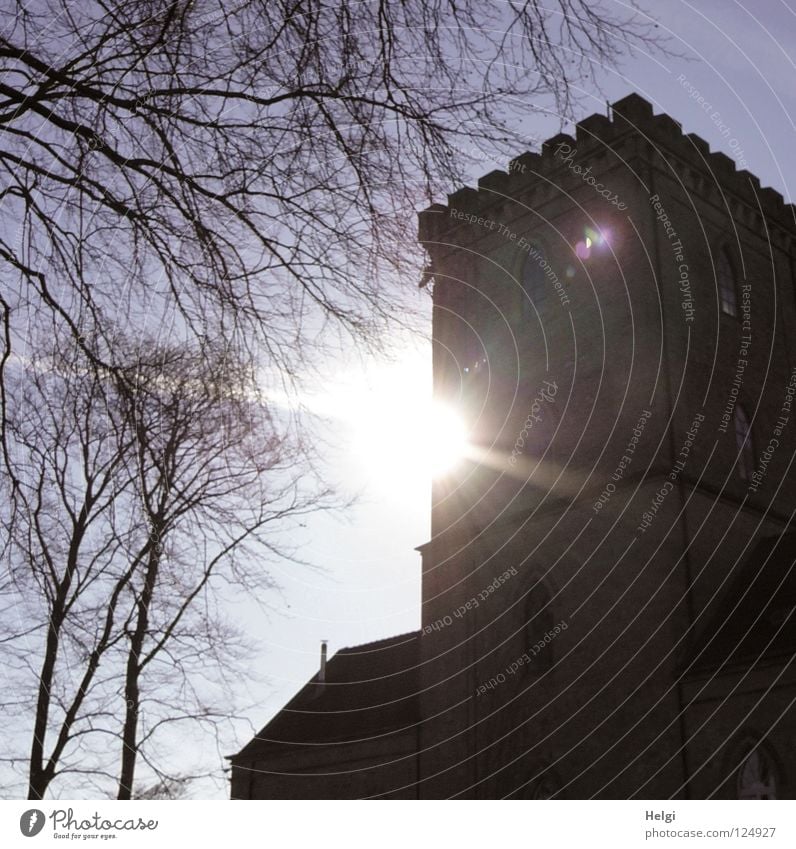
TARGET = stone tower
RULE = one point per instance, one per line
(614, 317)
(609, 588)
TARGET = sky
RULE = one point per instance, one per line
(730, 79)
(740, 59)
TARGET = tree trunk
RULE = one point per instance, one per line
(132, 693)
(37, 781)
(39, 776)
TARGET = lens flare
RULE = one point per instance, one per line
(447, 440)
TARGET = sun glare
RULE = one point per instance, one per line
(398, 436)
(446, 445)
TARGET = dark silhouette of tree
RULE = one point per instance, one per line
(174, 788)
(214, 474)
(253, 167)
(69, 562)
(131, 490)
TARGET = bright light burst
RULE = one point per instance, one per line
(446, 444)
(591, 239)
(398, 436)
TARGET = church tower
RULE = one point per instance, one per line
(609, 591)
(614, 317)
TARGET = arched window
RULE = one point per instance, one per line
(544, 786)
(743, 439)
(725, 277)
(539, 630)
(756, 777)
(534, 280)
(547, 787)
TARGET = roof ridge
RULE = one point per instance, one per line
(370, 647)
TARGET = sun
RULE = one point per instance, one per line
(397, 435)
(401, 436)
(447, 443)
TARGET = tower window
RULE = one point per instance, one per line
(725, 277)
(545, 786)
(743, 439)
(539, 631)
(756, 777)
(534, 289)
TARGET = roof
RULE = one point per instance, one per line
(370, 690)
(756, 617)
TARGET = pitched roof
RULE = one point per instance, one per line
(370, 690)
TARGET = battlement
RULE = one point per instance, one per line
(598, 137)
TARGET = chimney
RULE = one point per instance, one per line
(322, 672)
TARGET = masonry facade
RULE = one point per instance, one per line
(607, 592)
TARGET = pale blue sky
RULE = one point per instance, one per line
(740, 58)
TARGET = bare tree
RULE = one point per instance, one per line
(215, 474)
(253, 167)
(175, 788)
(131, 490)
(69, 560)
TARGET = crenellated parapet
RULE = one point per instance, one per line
(604, 142)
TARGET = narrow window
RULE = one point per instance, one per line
(756, 777)
(743, 439)
(548, 787)
(539, 630)
(726, 283)
(534, 288)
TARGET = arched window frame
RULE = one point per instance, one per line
(726, 284)
(546, 785)
(757, 776)
(744, 443)
(533, 278)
